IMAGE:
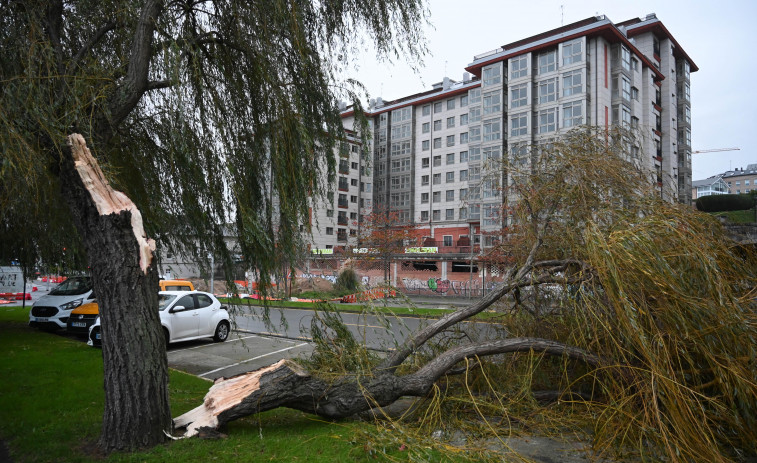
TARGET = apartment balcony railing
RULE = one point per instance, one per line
(341, 237)
(341, 220)
(343, 185)
(344, 167)
(342, 203)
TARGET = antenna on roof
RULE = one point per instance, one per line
(562, 15)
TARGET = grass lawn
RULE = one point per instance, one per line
(51, 402)
(746, 216)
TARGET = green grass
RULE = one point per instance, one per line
(51, 403)
(746, 216)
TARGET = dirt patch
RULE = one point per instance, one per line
(320, 285)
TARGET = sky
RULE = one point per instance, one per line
(715, 34)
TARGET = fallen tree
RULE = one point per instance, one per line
(648, 343)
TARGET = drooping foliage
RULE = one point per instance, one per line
(235, 124)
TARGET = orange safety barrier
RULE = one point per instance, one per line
(368, 295)
(16, 296)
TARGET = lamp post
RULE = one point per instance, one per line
(212, 271)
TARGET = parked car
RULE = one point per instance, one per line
(84, 316)
(185, 316)
(52, 310)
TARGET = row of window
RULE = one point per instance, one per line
(450, 104)
(490, 214)
(547, 120)
(449, 177)
(572, 52)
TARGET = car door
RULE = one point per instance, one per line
(184, 322)
(205, 308)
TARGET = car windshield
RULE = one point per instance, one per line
(72, 287)
(164, 300)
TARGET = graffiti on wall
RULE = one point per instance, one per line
(441, 286)
(330, 278)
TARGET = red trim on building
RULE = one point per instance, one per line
(607, 118)
(660, 28)
(657, 107)
(608, 31)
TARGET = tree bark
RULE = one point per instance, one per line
(137, 412)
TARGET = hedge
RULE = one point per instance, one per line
(720, 203)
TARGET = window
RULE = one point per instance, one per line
(437, 142)
(475, 153)
(491, 153)
(425, 145)
(548, 62)
(353, 182)
(463, 213)
(463, 194)
(329, 230)
(451, 104)
(519, 67)
(401, 130)
(492, 130)
(449, 195)
(687, 114)
(450, 177)
(353, 198)
(572, 114)
(438, 160)
(463, 156)
(474, 133)
(492, 102)
(464, 137)
(572, 83)
(424, 163)
(449, 214)
(401, 148)
(450, 140)
(634, 64)
(424, 180)
(625, 58)
(474, 174)
(634, 93)
(572, 52)
(424, 198)
(437, 197)
(426, 110)
(464, 176)
(490, 214)
(621, 115)
(547, 90)
(436, 215)
(438, 107)
(519, 124)
(437, 125)
(463, 100)
(474, 95)
(424, 216)
(450, 122)
(450, 158)
(634, 122)
(492, 75)
(548, 120)
(474, 114)
(329, 213)
(400, 165)
(519, 154)
(518, 95)
(426, 127)
(626, 89)
(464, 119)
(437, 178)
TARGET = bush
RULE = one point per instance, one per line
(719, 203)
(346, 281)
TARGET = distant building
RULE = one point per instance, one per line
(709, 186)
(741, 180)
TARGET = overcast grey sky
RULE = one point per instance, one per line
(715, 34)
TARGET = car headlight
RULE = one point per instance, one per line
(71, 305)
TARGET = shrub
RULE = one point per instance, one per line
(347, 280)
(719, 203)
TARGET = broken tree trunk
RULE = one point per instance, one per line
(137, 412)
(285, 384)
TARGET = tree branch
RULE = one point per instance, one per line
(394, 360)
(54, 23)
(87, 46)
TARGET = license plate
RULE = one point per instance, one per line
(97, 335)
(79, 324)
(41, 320)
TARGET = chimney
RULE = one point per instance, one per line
(466, 77)
(445, 83)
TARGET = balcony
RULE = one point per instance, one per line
(344, 167)
(342, 203)
(341, 237)
(341, 220)
(343, 184)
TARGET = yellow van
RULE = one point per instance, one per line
(84, 316)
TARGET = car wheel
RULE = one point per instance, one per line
(222, 332)
(168, 336)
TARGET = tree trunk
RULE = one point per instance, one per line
(137, 412)
(285, 384)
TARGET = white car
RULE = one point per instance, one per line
(184, 315)
(52, 310)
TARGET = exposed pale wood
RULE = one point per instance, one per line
(106, 199)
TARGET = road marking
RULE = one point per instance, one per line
(254, 358)
(214, 344)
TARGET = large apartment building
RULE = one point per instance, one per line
(437, 155)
